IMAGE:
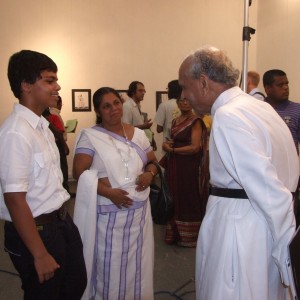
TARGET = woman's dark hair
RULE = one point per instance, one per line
(59, 100)
(132, 88)
(174, 90)
(98, 97)
(46, 113)
(27, 66)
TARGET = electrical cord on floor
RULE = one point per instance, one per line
(9, 273)
(174, 294)
(168, 293)
(188, 292)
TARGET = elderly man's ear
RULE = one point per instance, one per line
(203, 84)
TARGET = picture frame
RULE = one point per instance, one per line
(161, 96)
(81, 100)
(123, 94)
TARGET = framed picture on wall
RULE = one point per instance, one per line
(81, 100)
(161, 96)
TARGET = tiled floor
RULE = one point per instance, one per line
(173, 271)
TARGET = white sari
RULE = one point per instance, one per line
(123, 255)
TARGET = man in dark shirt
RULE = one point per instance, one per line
(276, 85)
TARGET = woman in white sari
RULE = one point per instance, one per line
(112, 209)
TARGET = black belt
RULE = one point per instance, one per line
(228, 193)
(59, 214)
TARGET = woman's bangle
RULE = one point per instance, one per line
(156, 166)
(151, 173)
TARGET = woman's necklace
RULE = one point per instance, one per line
(184, 117)
(124, 159)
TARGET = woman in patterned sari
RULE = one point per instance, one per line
(112, 209)
(186, 165)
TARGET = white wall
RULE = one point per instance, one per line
(278, 40)
(113, 42)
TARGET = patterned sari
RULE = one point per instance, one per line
(118, 244)
(187, 177)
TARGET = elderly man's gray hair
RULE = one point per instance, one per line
(213, 63)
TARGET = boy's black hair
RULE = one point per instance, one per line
(27, 66)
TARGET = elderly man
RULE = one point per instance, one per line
(249, 221)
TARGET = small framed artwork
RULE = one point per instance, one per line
(161, 96)
(81, 100)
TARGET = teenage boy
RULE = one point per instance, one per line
(40, 237)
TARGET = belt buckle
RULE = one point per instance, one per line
(62, 213)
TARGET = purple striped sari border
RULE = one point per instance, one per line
(138, 275)
(112, 208)
(125, 251)
(87, 151)
(108, 251)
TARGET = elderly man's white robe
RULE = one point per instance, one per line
(242, 245)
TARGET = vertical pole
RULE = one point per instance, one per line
(245, 47)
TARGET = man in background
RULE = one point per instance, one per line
(243, 240)
(43, 242)
(56, 120)
(56, 110)
(132, 113)
(168, 110)
(276, 85)
(253, 80)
